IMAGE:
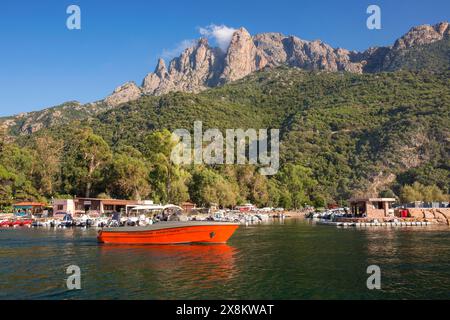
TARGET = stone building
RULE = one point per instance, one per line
(376, 208)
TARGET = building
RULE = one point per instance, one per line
(188, 206)
(24, 208)
(246, 207)
(63, 206)
(92, 206)
(376, 208)
(213, 207)
(96, 206)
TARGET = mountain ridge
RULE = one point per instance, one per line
(202, 67)
(355, 132)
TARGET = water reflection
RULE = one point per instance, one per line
(283, 260)
(185, 268)
(411, 259)
(396, 241)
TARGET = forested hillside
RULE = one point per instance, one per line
(433, 57)
(341, 134)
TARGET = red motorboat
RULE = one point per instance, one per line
(27, 222)
(170, 232)
(5, 223)
(16, 223)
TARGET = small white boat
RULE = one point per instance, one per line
(100, 222)
(55, 223)
(263, 216)
(83, 221)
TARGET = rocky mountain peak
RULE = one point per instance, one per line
(423, 34)
(240, 37)
(443, 28)
(161, 70)
(201, 66)
(202, 42)
(242, 57)
(124, 93)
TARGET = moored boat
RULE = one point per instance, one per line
(16, 223)
(67, 221)
(83, 221)
(170, 232)
(4, 223)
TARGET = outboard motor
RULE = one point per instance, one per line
(173, 217)
(115, 220)
(67, 221)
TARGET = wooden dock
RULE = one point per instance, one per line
(377, 224)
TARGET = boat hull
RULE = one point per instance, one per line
(170, 233)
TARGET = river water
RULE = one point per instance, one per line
(294, 259)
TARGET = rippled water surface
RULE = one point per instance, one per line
(290, 260)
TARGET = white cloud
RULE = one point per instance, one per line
(180, 47)
(221, 34)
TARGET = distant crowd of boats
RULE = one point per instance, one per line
(330, 214)
(11, 223)
(143, 218)
(143, 226)
(372, 217)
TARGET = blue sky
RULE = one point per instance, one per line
(42, 63)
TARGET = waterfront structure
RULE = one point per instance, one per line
(188, 206)
(24, 208)
(93, 206)
(63, 206)
(439, 211)
(246, 207)
(376, 208)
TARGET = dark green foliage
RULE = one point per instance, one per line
(432, 57)
(340, 134)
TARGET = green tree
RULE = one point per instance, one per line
(299, 184)
(6, 187)
(2, 139)
(433, 193)
(208, 187)
(168, 180)
(411, 193)
(259, 190)
(16, 172)
(129, 174)
(47, 155)
(387, 193)
(419, 192)
(85, 159)
(274, 193)
(179, 191)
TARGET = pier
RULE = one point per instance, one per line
(377, 224)
(379, 212)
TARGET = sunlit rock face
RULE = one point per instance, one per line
(127, 92)
(201, 66)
